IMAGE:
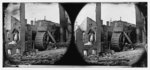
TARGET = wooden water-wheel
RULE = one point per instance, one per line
(117, 41)
(41, 40)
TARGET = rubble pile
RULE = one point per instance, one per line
(118, 58)
(44, 57)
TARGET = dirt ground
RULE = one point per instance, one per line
(124, 58)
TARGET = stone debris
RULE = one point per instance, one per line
(43, 57)
(124, 58)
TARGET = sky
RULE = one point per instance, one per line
(51, 12)
(32, 11)
(109, 12)
(39, 11)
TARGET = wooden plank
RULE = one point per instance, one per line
(127, 37)
(51, 37)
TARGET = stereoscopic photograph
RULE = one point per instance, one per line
(101, 34)
(35, 33)
(112, 34)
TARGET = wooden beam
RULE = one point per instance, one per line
(51, 37)
(127, 37)
(139, 24)
(63, 24)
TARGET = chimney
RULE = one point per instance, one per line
(25, 21)
(32, 22)
(99, 25)
(101, 22)
(107, 22)
(23, 27)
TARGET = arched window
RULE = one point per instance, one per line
(85, 53)
(16, 37)
(93, 51)
(9, 51)
(18, 51)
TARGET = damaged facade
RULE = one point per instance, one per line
(114, 39)
(32, 41)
